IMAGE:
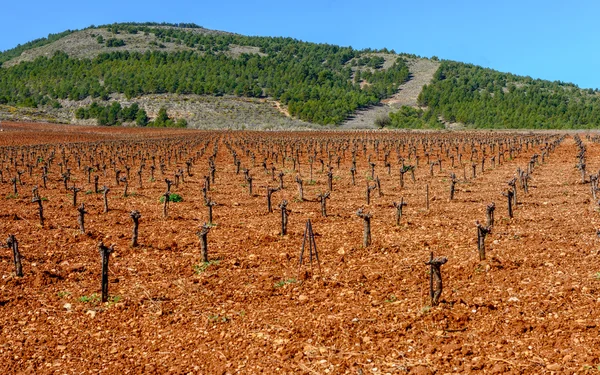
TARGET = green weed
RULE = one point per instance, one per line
(173, 197)
(283, 283)
(199, 268)
(63, 294)
(92, 298)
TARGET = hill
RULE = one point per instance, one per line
(485, 98)
(315, 83)
(209, 78)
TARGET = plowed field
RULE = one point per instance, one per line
(532, 306)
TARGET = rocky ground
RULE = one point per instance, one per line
(531, 307)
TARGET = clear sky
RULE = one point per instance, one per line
(552, 39)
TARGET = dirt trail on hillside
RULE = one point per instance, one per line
(421, 71)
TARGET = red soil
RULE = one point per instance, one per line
(532, 307)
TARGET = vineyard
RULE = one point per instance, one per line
(128, 250)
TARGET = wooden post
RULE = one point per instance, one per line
(309, 237)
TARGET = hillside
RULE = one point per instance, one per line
(421, 73)
(216, 79)
(317, 83)
(485, 98)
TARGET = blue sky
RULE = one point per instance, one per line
(551, 39)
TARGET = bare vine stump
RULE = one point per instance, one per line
(135, 216)
(403, 170)
(105, 191)
(249, 182)
(309, 237)
(81, 217)
(38, 200)
(525, 182)
(167, 199)
(13, 244)
(280, 175)
(453, 181)
(490, 214)
(427, 196)
(284, 216)
(204, 193)
(435, 278)
(125, 181)
(203, 236)
(330, 179)
(212, 170)
(105, 253)
(323, 199)
(353, 173)
(75, 191)
(96, 178)
(399, 206)
(300, 188)
(581, 167)
(368, 192)
(140, 182)
(378, 184)
(482, 232)
(513, 184)
(210, 204)
(366, 216)
(270, 192)
(509, 195)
